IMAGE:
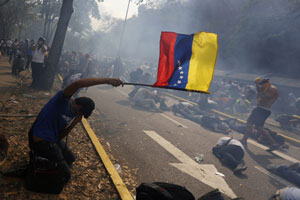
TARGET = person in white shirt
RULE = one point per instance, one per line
(8, 46)
(231, 153)
(287, 193)
(147, 99)
(39, 52)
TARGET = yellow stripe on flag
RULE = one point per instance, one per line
(203, 60)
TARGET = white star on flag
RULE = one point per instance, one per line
(178, 62)
(181, 77)
(180, 68)
(178, 81)
(175, 84)
(181, 72)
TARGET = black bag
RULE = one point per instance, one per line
(46, 176)
(162, 191)
(212, 195)
(216, 150)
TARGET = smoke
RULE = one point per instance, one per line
(253, 35)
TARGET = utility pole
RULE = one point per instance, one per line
(123, 30)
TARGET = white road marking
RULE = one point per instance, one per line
(278, 153)
(122, 92)
(169, 118)
(202, 172)
(286, 157)
(263, 147)
(275, 177)
(173, 120)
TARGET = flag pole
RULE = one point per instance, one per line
(123, 29)
(170, 88)
(138, 84)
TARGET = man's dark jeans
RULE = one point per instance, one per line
(48, 170)
(28, 61)
(57, 152)
(37, 74)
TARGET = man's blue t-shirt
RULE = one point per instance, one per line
(54, 116)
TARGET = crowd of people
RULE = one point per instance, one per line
(27, 54)
(79, 70)
(50, 158)
(232, 97)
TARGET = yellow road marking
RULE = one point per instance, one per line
(114, 175)
(60, 77)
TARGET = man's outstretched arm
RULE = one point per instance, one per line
(87, 82)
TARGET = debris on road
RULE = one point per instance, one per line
(118, 168)
(198, 157)
(220, 174)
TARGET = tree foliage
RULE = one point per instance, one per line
(14, 16)
(253, 34)
(40, 17)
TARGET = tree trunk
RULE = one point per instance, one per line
(52, 33)
(20, 32)
(47, 31)
(20, 27)
(46, 13)
(57, 45)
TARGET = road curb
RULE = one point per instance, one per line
(113, 174)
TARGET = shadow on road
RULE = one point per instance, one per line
(263, 161)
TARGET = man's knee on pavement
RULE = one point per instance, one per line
(48, 150)
(150, 103)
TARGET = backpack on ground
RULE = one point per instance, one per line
(162, 191)
(215, 195)
(46, 176)
(212, 195)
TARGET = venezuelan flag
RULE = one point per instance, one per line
(187, 62)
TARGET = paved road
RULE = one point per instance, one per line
(162, 146)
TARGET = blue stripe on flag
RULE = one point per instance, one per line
(182, 56)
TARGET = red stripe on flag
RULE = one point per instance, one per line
(166, 58)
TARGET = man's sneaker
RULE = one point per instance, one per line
(241, 167)
(273, 147)
(17, 171)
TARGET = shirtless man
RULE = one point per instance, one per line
(266, 97)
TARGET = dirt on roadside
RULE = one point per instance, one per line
(89, 178)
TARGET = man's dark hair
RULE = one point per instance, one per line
(87, 105)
